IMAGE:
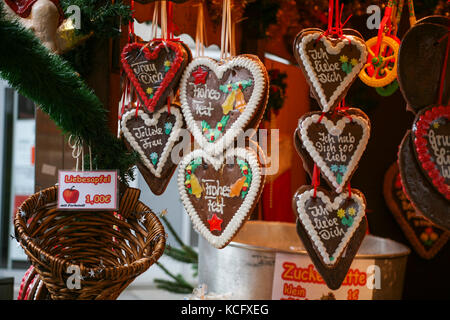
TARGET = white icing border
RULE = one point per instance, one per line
(335, 130)
(307, 224)
(301, 48)
(173, 137)
(238, 218)
(216, 147)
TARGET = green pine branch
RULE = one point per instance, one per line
(51, 83)
(184, 254)
(188, 250)
(179, 285)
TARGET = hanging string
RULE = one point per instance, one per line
(77, 151)
(231, 30)
(127, 90)
(233, 37)
(170, 24)
(164, 20)
(336, 29)
(90, 157)
(154, 27)
(316, 179)
(200, 34)
(349, 189)
(444, 68)
(222, 34)
(225, 41)
(131, 24)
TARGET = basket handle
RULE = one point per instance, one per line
(128, 201)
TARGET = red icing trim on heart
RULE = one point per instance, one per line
(422, 126)
(151, 55)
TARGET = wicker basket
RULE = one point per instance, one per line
(110, 249)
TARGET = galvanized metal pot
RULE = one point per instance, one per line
(245, 268)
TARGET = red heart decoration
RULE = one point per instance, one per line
(154, 70)
(432, 131)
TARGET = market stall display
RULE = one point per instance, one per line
(219, 117)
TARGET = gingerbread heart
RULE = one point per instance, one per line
(422, 194)
(334, 277)
(335, 142)
(154, 70)
(330, 64)
(220, 99)
(431, 136)
(426, 238)
(219, 193)
(329, 220)
(420, 62)
(153, 137)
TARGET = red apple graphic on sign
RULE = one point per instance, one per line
(71, 195)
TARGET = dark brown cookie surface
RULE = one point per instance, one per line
(426, 238)
(420, 62)
(331, 226)
(425, 199)
(334, 141)
(153, 137)
(330, 64)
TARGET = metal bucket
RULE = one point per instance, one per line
(245, 268)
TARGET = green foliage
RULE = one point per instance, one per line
(101, 19)
(183, 254)
(55, 87)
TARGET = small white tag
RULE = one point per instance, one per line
(87, 190)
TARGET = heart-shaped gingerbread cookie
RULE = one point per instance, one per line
(220, 99)
(220, 193)
(422, 194)
(153, 137)
(426, 238)
(335, 142)
(329, 220)
(154, 70)
(431, 136)
(330, 64)
(420, 62)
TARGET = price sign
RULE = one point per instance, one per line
(296, 278)
(87, 190)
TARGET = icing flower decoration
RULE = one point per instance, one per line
(342, 169)
(341, 213)
(351, 211)
(428, 236)
(343, 59)
(167, 65)
(436, 125)
(168, 127)
(347, 221)
(354, 62)
(154, 157)
(346, 65)
(149, 92)
(334, 168)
